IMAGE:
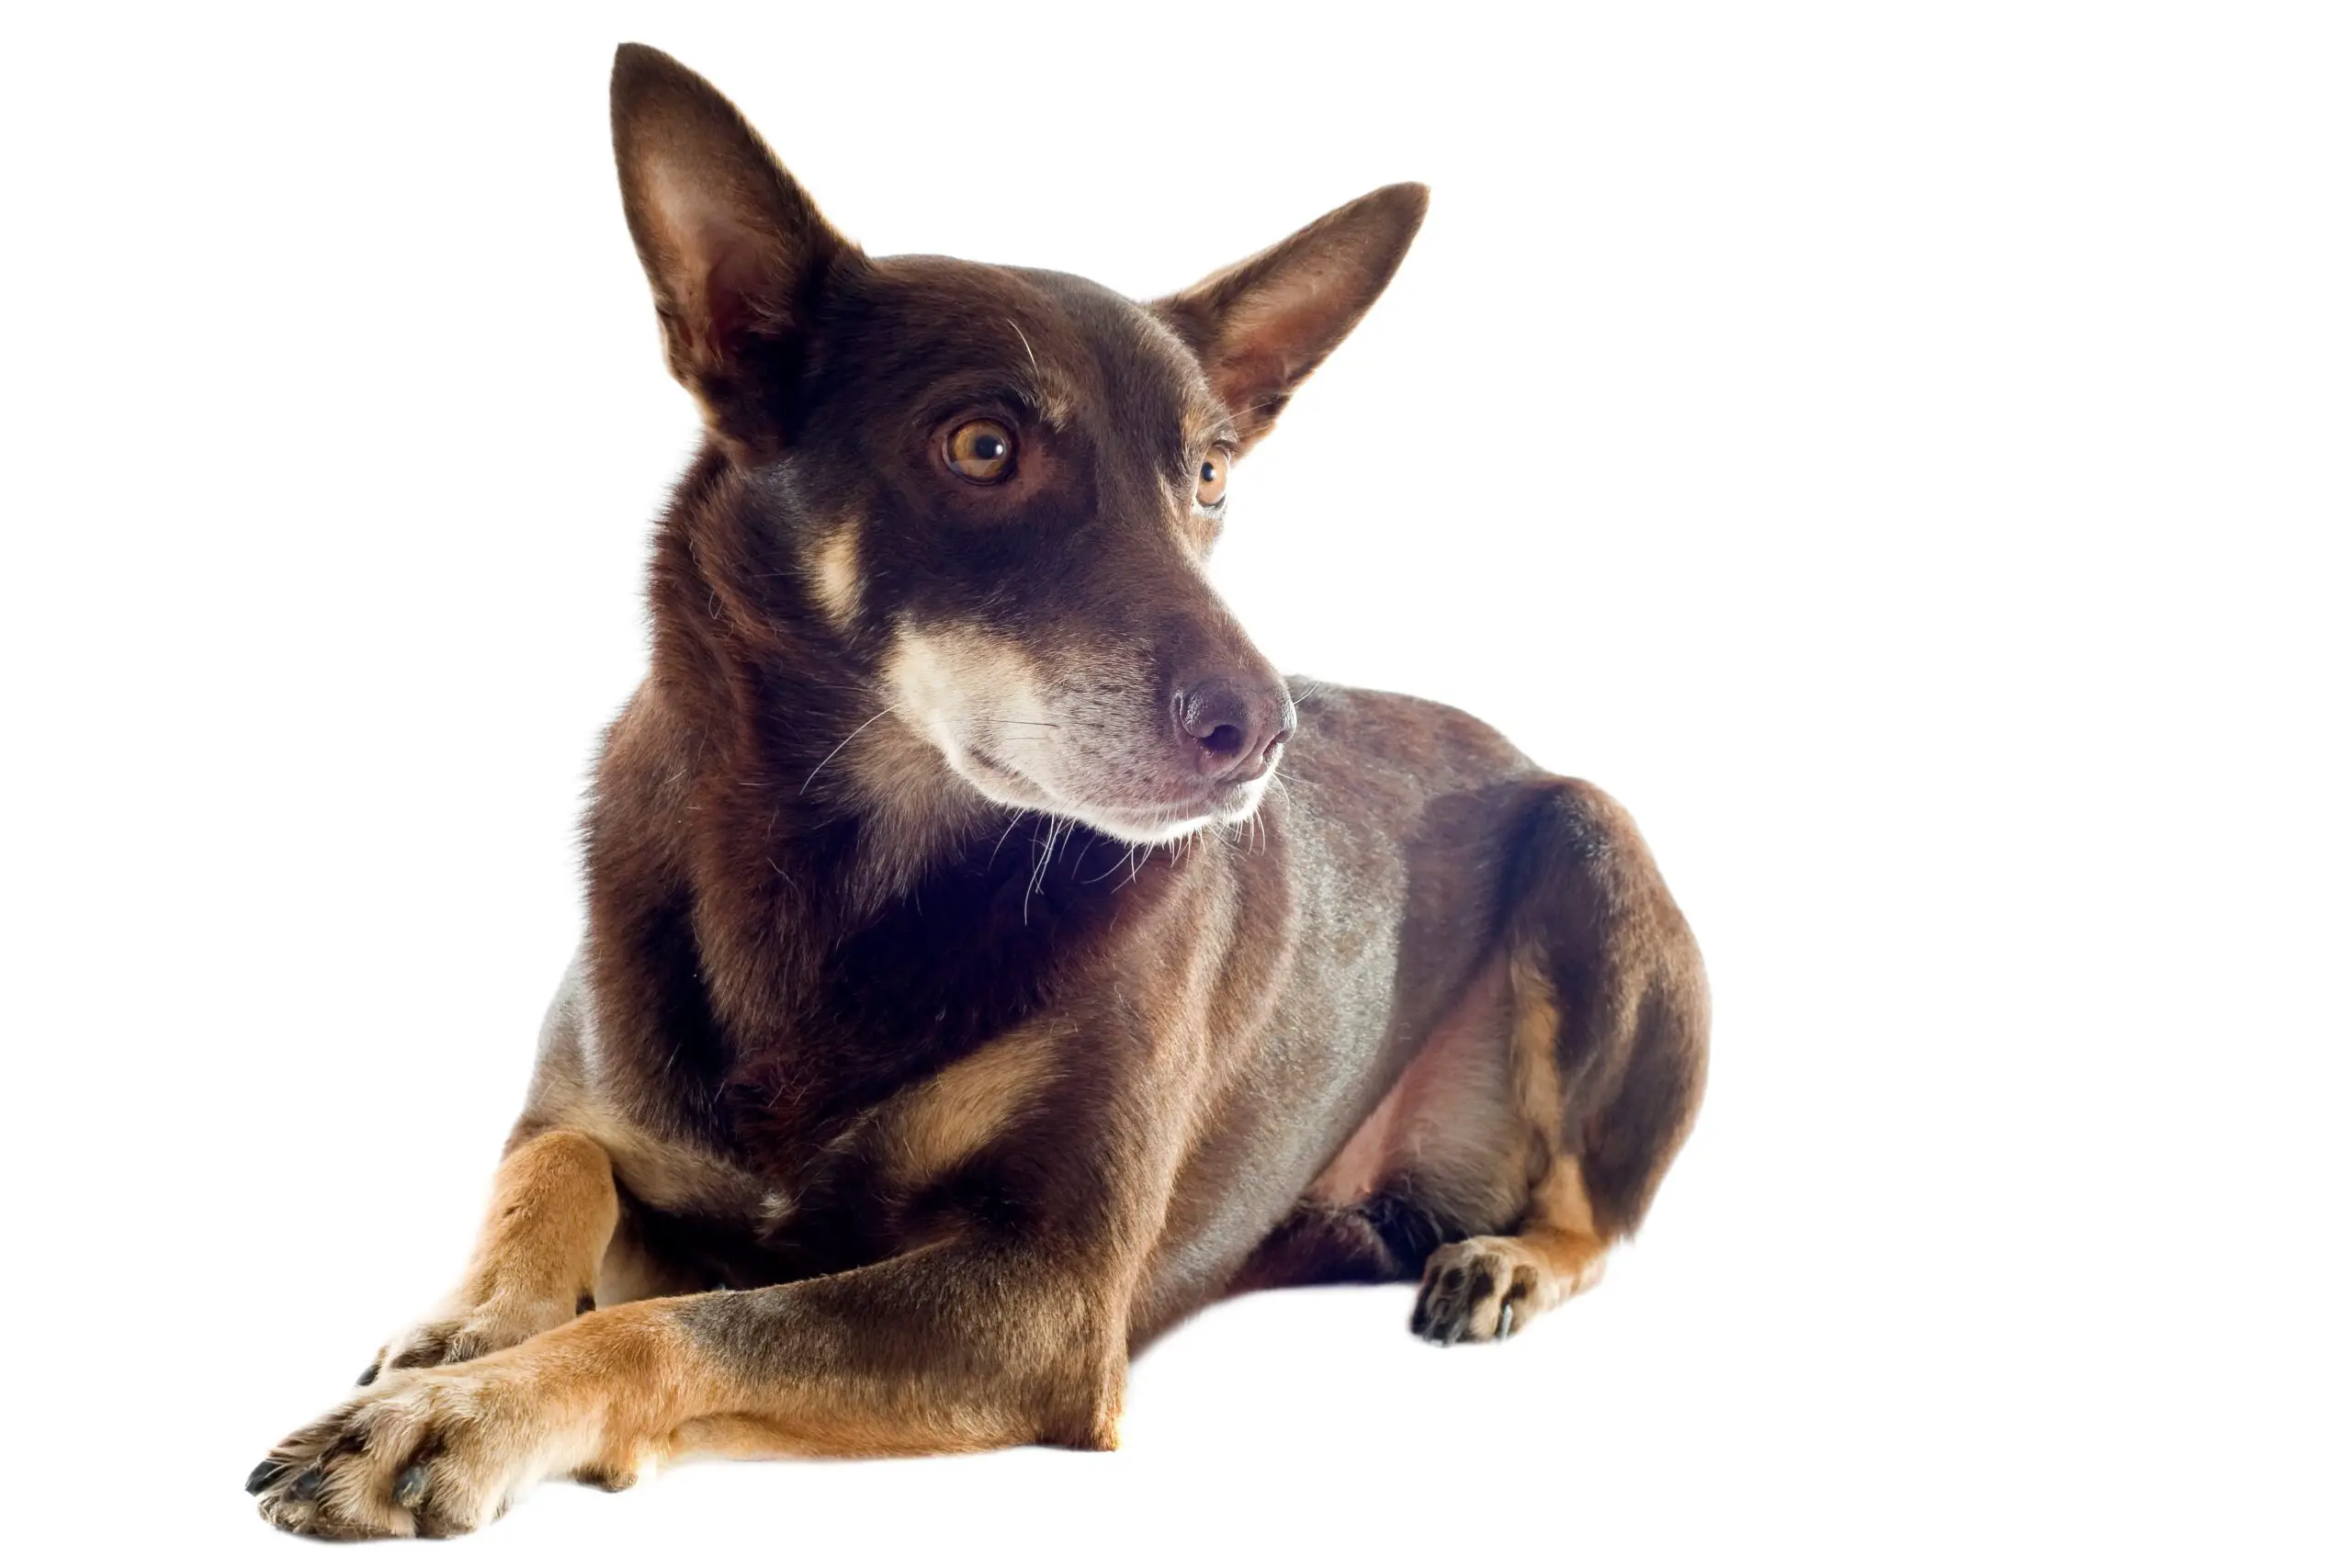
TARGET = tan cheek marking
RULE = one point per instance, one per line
(947, 679)
(938, 675)
(836, 575)
(963, 1107)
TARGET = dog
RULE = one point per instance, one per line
(990, 959)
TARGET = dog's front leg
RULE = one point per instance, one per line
(551, 1215)
(960, 1346)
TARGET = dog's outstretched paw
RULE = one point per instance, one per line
(429, 1453)
(459, 1331)
(441, 1451)
(436, 1452)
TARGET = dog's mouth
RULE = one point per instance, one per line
(1139, 817)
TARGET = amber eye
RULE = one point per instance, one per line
(980, 450)
(1212, 477)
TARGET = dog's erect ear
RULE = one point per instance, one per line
(1261, 326)
(736, 251)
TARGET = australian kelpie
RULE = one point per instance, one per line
(990, 958)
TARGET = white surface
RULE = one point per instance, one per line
(1904, 458)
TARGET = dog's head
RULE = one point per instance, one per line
(989, 491)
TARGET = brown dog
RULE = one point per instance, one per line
(964, 1000)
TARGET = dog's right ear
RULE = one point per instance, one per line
(734, 249)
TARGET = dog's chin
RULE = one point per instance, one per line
(1158, 827)
(1132, 822)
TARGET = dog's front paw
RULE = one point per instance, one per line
(465, 1332)
(421, 1453)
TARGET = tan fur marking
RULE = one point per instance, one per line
(666, 1174)
(960, 1110)
(1559, 1231)
(1558, 1226)
(836, 574)
(614, 1395)
(552, 1212)
(1534, 1069)
(1555, 1251)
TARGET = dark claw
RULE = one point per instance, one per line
(410, 1489)
(306, 1485)
(263, 1473)
(369, 1376)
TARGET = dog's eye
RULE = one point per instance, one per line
(980, 450)
(1212, 480)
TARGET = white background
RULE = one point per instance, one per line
(1904, 456)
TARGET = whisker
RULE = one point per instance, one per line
(1024, 344)
(1037, 881)
(1010, 824)
(837, 750)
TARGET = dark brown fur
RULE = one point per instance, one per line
(965, 1103)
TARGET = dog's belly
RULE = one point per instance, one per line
(1436, 1129)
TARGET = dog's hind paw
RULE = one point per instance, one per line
(1474, 1293)
(1488, 1287)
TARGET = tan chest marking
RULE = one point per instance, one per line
(943, 1120)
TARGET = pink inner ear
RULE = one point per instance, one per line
(730, 287)
(1248, 373)
(716, 253)
(1280, 331)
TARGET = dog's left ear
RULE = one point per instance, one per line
(736, 251)
(1261, 326)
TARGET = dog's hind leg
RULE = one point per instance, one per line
(1607, 1051)
(552, 1212)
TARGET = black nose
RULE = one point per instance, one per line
(1234, 728)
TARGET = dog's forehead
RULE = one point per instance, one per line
(1082, 349)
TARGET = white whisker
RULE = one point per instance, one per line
(837, 750)
(1024, 344)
